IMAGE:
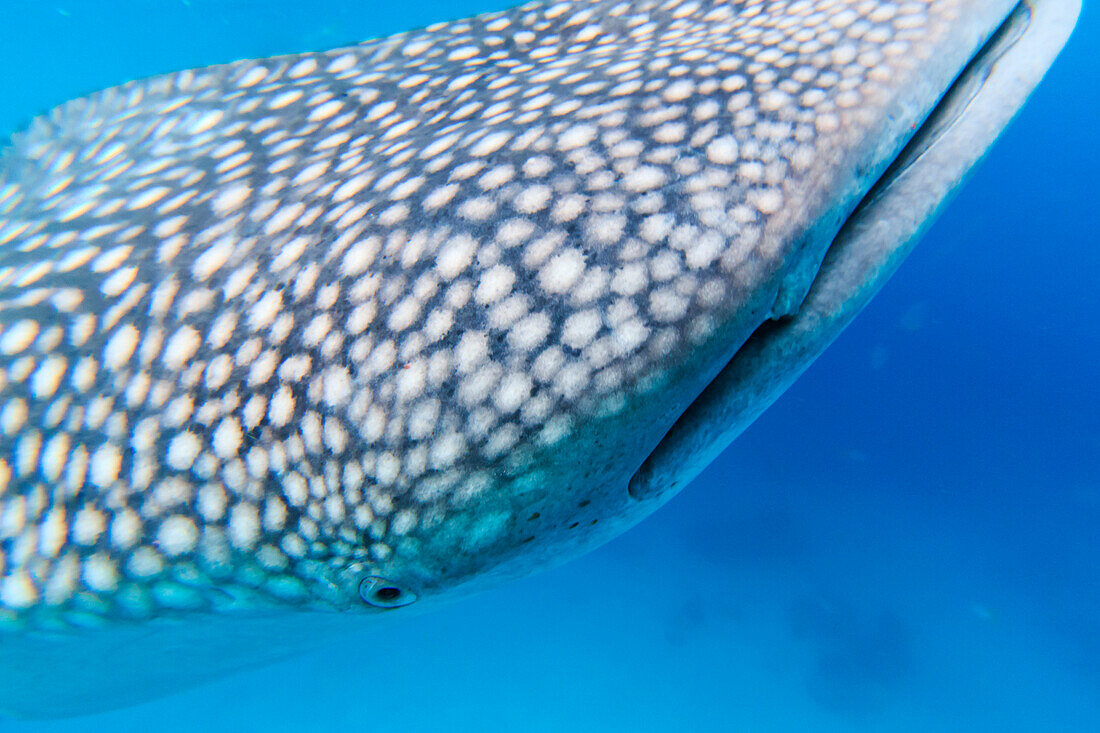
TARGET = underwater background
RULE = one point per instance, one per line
(908, 540)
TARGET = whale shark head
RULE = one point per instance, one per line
(366, 329)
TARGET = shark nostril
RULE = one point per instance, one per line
(382, 593)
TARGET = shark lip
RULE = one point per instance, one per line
(940, 120)
(955, 101)
(881, 230)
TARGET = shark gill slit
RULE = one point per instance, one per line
(951, 106)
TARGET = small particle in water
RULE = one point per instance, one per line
(982, 612)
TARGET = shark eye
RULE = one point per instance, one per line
(381, 593)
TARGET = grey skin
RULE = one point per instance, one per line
(291, 341)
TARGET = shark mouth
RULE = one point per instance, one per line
(882, 229)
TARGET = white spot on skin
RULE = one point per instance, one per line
(19, 337)
(326, 110)
(422, 419)
(656, 227)
(125, 529)
(644, 178)
(183, 450)
(211, 260)
(672, 132)
(562, 270)
(441, 196)
(439, 145)
(252, 77)
(295, 368)
(100, 573)
(529, 332)
(666, 305)
(495, 284)
(177, 535)
(310, 173)
(54, 456)
(227, 438)
(568, 208)
(341, 63)
(117, 283)
(145, 562)
(338, 387)
(281, 408)
(455, 256)
(768, 200)
(540, 165)
(496, 177)
(13, 416)
(411, 380)
(317, 329)
(207, 121)
(477, 209)
(359, 256)
(576, 137)
(722, 150)
(218, 371)
(678, 91)
(105, 466)
(181, 347)
(513, 390)
(532, 199)
(447, 450)
(263, 368)
(463, 53)
(504, 438)
(310, 429)
(230, 199)
(489, 144)
(581, 328)
(630, 279)
(514, 231)
(629, 336)
(281, 219)
(154, 195)
(773, 99)
(472, 348)
(606, 228)
(264, 312)
(18, 591)
(351, 187)
(47, 378)
(88, 525)
(53, 533)
(403, 522)
(244, 526)
(212, 502)
(406, 188)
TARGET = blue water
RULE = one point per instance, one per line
(907, 541)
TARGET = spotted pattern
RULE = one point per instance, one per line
(269, 322)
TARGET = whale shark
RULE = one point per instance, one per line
(295, 345)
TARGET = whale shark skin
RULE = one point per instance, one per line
(292, 341)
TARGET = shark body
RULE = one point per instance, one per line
(361, 330)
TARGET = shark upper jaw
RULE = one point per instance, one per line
(893, 212)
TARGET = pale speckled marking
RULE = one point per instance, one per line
(490, 239)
